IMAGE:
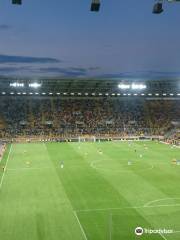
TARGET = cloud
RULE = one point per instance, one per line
(11, 70)
(26, 59)
(64, 71)
(94, 68)
(51, 71)
(4, 27)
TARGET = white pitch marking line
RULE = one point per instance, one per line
(135, 207)
(163, 236)
(92, 164)
(5, 166)
(28, 168)
(158, 200)
(82, 230)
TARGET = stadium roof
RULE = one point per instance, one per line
(74, 85)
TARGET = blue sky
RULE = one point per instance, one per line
(63, 38)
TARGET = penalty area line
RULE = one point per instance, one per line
(2, 178)
(163, 236)
(82, 230)
(128, 207)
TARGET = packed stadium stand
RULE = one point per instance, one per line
(98, 110)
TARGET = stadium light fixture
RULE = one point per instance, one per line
(35, 85)
(58, 93)
(3, 93)
(12, 93)
(16, 84)
(95, 5)
(135, 86)
(124, 86)
(17, 2)
(158, 7)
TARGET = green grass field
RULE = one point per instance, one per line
(96, 196)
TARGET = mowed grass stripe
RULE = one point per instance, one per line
(131, 186)
(77, 189)
(39, 204)
(84, 186)
(33, 204)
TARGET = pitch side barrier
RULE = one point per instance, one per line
(82, 139)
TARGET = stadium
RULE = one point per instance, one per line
(89, 133)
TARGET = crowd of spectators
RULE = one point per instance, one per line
(95, 116)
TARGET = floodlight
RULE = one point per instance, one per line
(16, 84)
(138, 86)
(95, 5)
(158, 8)
(34, 85)
(17, 2)
(124, 86)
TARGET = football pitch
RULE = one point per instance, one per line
(89, 191)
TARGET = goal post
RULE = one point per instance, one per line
(87, 139)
